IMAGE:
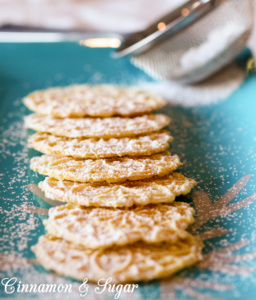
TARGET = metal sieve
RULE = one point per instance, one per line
(193, 42)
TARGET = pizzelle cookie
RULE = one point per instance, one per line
(108, 169)
(95, 228)
(100, 148)
(136, 262)
(97, 127)
(96, 101)
(141, 192)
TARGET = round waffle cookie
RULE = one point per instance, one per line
(95, 101)
(141, 192)
(136, 262)
(108, 169)
(95, 228)
(97, 127)
(100, 148)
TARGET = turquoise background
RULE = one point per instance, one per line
(216, 142)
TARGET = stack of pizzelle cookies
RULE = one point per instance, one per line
(106, 155)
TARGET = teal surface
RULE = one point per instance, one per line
(217, 144)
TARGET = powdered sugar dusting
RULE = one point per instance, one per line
(100, 148)
(109, 169)
(127, 194)
(99, 228)
(97, 127)
(214, 89)
(97, 101)
(22, 226)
